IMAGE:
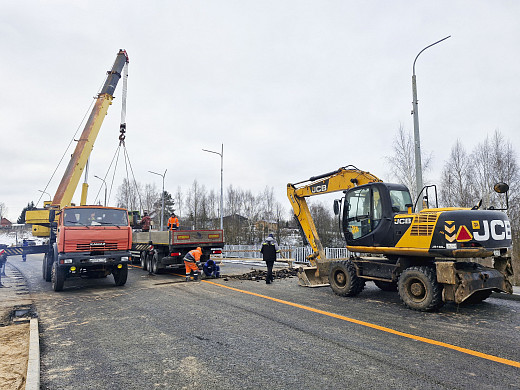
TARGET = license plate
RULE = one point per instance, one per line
(98, 260)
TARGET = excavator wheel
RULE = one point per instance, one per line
(419, 290)
(386, 286)
(344, 280)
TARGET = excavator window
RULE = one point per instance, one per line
(364, 211)
(399, 200)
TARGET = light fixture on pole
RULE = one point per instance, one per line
(221, 211)
(417, 140)
(43, 192)
(104, 182)
(162, 195)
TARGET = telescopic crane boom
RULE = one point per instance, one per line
(40, 218)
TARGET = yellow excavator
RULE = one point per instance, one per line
(428, 256)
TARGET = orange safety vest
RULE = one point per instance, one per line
(193, 255)
(173, 221)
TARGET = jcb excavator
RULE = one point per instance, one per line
(425, 255)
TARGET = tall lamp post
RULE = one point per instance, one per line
(162, 208)
(104, 182)
(417, 140)
(43, 192)
(221, 154)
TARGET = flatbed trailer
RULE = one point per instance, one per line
(157, 251)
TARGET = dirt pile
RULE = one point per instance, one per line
(258, 274)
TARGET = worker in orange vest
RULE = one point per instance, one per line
(173, 222)
(190, 262)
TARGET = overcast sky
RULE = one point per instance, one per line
(291, 88)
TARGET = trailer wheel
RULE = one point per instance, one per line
(386, 286)
(419, 290)
(155, 263)
(46, 268)
(344, 280)
(120, 275)
(478, 297)
(57, 277)
(143, 260)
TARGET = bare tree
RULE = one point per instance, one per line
(457, 187)
(402, 161)
(3, 210)
(128, 196)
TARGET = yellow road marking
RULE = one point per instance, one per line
(378, 327)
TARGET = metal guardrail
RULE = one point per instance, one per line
(297, 254)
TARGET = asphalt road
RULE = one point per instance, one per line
(158, 332)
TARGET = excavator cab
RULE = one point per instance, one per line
(368, 213)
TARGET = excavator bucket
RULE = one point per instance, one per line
(311, 277)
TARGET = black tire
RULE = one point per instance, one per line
(120, 275)
(478, 297)
(149, 261)
(344, 280)
(419, 290)
(46, 268)
(386, 286)
(57, 277)
(155, 263)
(143, 260)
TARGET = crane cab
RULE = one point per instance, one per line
(369, 211)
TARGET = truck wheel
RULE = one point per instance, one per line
(120, 275)
(155, 263)
(143, 260)
(344, 280)
(419, 290)
(46, 268)
(57, 277)
(478, 297)
(386, 286)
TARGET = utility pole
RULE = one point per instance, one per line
(417, 140)
(221, 211)
(162, 208)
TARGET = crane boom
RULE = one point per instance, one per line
(39, 218)
(79, 158)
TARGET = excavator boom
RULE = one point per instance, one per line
(342, 179)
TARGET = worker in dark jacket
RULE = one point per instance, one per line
(146, 221)
(211, 269)
(269, 251)
(24, 243)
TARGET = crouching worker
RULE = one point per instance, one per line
(211, 269)
(190, 262)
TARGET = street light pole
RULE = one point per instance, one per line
(417, 140)
(221, 211)
(43, 192)
(105, 188)
(162, 208)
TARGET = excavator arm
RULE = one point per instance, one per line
(342, 179)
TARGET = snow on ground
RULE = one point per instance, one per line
(15, 237)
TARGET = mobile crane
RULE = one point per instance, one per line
(424, 255)
(83, 240)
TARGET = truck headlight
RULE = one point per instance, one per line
(125, 258)
(67, 261)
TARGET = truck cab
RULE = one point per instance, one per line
(91, 241)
